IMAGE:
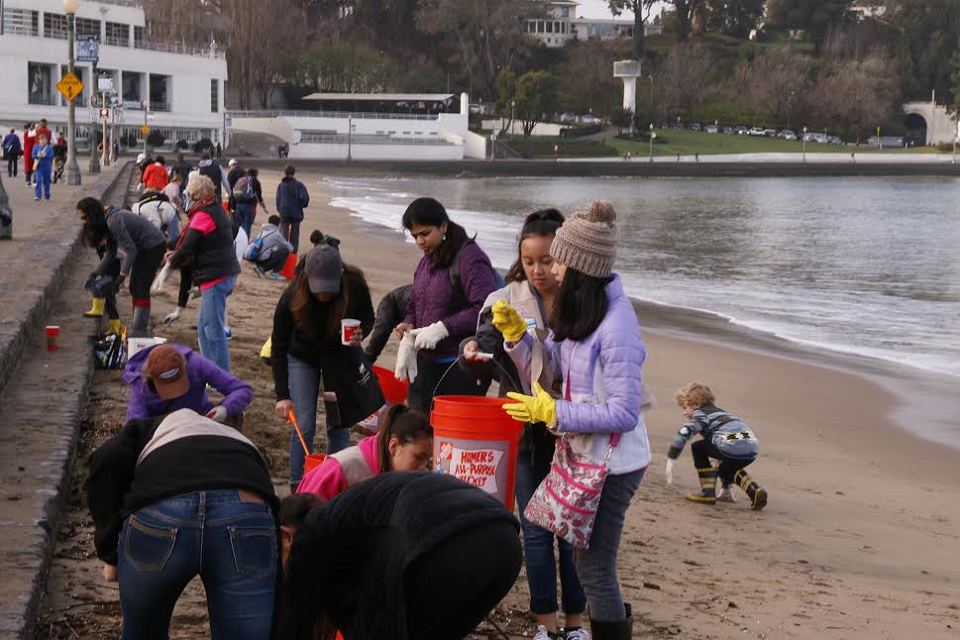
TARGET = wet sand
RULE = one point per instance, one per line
(859, 539)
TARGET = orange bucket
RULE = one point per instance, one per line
(312, 460)
(394, 391)
(475, 440)
(289, 267)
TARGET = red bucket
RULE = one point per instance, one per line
(475, 440)
(289, 267)
(394, 391)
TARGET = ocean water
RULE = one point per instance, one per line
(868, 266)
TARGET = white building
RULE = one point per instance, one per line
(184, 87)
(562, 25)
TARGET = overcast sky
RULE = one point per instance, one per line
(599, 9)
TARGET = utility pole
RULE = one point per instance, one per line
(104, 119)
(73, 169)
(146, 129)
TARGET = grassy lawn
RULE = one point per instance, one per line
(670, 142)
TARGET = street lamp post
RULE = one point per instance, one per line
(651, 96)
(804, 144)
(513, 107)
(72, 169)
(350, 137)
(651, 142)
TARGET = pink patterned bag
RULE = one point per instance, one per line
(566, 501)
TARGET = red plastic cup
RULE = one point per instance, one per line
(53, 338)
(348, 327)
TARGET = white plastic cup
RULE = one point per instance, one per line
(348, 327)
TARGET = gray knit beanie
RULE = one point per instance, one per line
(587, 242)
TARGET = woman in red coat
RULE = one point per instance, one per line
(29, 138)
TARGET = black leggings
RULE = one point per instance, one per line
(456, 382)
(12, 165)
(703, 450)
(143, 272)
(486, 562)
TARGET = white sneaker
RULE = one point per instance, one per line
(726, 494)
(543, 634)
(577, 634)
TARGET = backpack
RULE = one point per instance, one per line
(243, 190)
(457, 283)
(253, 250)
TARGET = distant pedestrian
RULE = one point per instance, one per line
(29, 139)
(155, 175)
(292, 199)
(12, 150)
(43, 154)
(234, 171)
(183, 168)
(247, 196)
(219, 151)
(217, 175)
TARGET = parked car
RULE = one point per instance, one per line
(695, 126)
(590, 119)
(740, 130)
(770, 133)
(834, 140)
(814, 136)
(568, 118)
(711, 128)
(786, 134)
(756, 131)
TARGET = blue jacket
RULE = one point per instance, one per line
(44, 157)
(11, 144)
(292, 199)
(145, 403)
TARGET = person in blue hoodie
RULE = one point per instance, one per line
(168, 377)
(292, 199)
(43, 154)
(12, 152)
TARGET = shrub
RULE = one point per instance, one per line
(155, 138)
(182, 144)
(204, 144)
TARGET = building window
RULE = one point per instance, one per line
(40, 87)
(540, 26)
(21, 21)
(137, 36)
(131, 88)
(564, 12)
(87, 28)
(55, 26)
(214, 96)
(549, 27)
(159, 92)
(118, 35)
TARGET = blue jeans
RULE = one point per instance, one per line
(304, 384)
(42, 187)
(228, 540)
(538, 549)
(245, 214)
(597, 565)
(212, 322)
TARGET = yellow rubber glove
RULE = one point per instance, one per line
(536, 408)
(508, 321)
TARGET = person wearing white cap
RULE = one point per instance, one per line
(306, 344)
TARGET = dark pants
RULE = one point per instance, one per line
(442, 379)
(703, 450)
(291, 231)
(538, 547)
(144, 271)
(276, 260)
(245, 214)
(12, 165)
(486, 562)
(226, 538)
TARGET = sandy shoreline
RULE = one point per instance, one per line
(859, 540)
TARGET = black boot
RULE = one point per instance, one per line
(141, 323)
(756, 493)
(708, 487)
(619, 630)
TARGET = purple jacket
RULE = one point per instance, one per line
(602, 374)
(145, 403)
(432, 293)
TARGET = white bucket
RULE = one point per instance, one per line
(136, 344)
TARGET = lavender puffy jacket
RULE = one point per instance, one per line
(431, 298)
(603, 372)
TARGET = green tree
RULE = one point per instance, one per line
(155, 138)
(929, 31)
(622, 119)
(342, 68)
(506, 93)
(737, 18)
(954, 106)
(815, 17)
(536, 99)
(641, 12)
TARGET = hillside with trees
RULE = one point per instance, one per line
(775, 63)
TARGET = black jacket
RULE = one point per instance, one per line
(287, 339)
(349, 556)
(208, 249)
(195, 460)
(390, 312)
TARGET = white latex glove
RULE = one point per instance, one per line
(406, 368)
(669, 470)
(157, 285)
(218, 414)
(429, 337)
(173, 316)
(726, 493)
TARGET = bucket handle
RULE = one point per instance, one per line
(457, 361)
(292, 419)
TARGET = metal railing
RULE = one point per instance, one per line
(208, 52)
(117, 41)
(293, 113)
(21, 29)
(342, 138)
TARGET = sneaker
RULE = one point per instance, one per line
(543, 634)
(35, 199)
(576, 634)
(273, 275)
(259, 270)
(726, 494)
(228, 333)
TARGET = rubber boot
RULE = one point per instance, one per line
(141, 323)
(97, 309)
(619, 630)
(756, 493)
(113, 326)
(708, 487)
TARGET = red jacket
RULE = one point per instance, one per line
(155, 176)
(28, 142)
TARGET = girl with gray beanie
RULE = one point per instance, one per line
(596, 348)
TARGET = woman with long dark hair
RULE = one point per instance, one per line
(450, 285)
(306, 344)
(596, 347)
(143, 245)
(532, 290)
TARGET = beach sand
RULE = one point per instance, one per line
(860, 537)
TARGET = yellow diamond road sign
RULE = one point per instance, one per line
(145, 129)
(70, 86)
